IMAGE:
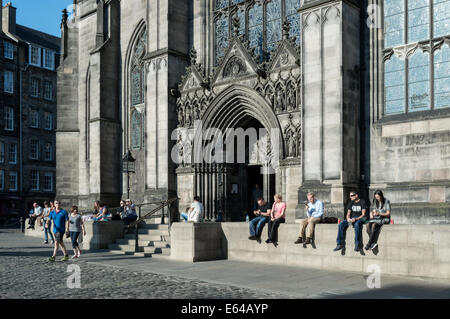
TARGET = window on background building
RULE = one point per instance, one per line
(12, 153)
(2, 152)
(49, 59)
(35, 56)
(416, 70)
(48, 90)
(264, 20)
(8, 48)
(2, 180)
(34, 180)
(35, 87)
(8, 83)
(48, 152)
(34, 149)
(48, 121)
(13, 181)
(9, 118)
(34, 119)
(48, 182)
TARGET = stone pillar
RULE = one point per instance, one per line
(331, 98)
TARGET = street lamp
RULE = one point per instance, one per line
(129, 166)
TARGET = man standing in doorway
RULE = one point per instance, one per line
(60, 219)
(356, 215)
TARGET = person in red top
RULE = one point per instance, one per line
(277, 217)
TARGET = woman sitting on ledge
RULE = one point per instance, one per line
(277, 217)
(103, 213)
(378, 217)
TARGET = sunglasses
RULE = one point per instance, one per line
(352, 195)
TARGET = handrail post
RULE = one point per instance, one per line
(162, 217)
(136, 242)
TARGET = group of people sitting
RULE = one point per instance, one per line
(126, 212)
(355, 215)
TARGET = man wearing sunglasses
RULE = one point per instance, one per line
(356, 215)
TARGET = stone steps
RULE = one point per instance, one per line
(153, 240)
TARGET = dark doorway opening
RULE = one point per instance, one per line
(255, 185)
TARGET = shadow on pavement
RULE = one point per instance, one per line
(398, 292)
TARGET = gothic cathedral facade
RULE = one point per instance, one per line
(355, 93)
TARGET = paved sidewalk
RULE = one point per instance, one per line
(106, 275)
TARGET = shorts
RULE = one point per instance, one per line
(59, 237)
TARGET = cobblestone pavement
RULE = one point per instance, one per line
(26, 273)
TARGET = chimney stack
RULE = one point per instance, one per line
(9, 18)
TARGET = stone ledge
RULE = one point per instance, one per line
(409, 250)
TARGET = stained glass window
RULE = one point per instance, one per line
(394, 21)
(273, 30)
(442, 77)
(220, 4)
(136, 127)
(293, 18)
(241, 15)
(416, 81)
(264, 20)
(418, 20)
(255, 28)
(394, 85)
(137, 96)
(419, 82)
(441, 17)
(222, 29)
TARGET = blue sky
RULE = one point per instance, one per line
(42, 15)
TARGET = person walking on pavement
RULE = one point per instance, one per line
(47, 229)
(60, 219)
(76, 225)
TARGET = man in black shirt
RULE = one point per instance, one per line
(262, 214)
(356, 213)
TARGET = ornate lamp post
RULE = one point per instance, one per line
(129, 166)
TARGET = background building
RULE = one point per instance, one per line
(28, 107)
(357, 91)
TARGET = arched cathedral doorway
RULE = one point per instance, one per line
(254, 111)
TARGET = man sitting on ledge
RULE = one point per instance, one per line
(314, 212)
(356, 215)
(262, 214)
(196, 213)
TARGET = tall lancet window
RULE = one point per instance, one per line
(260, 22)
(137, 82)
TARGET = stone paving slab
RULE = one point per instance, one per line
(25, 273)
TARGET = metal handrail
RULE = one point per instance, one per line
(152, 212)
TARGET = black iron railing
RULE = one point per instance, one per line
(150, 214)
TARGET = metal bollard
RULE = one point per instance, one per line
(21, 225)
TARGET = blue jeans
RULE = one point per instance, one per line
(129, 219)
(257, 224)
(343, 230)
(48, 231)
(185, 216)
(74, 237)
